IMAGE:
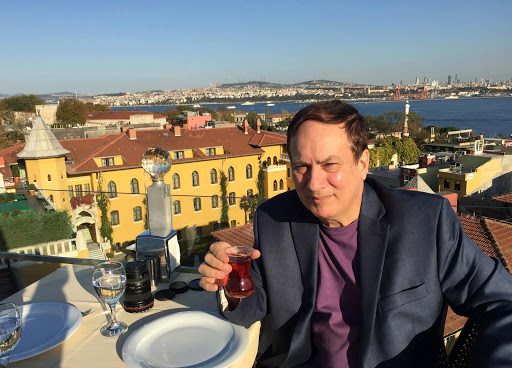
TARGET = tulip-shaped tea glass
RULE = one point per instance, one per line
(239, 284)
(109, 281)
(10, 331)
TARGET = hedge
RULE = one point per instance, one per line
(32, 228)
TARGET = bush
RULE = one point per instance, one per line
(6, 214)
(10, 197)
(33, 228)
(15, 212)
(2, 198)
(15, 171)
(32, 186)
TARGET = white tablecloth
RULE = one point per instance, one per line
(87, 348)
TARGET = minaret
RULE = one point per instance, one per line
(406, 132)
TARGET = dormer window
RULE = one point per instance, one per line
(210, 151)
(179, 155)
(107, 161)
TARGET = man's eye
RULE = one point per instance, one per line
(300, 169)
(331, 166)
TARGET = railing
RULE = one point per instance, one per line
(272, 168)
(63, 248)
(41, 194)
(285, 157)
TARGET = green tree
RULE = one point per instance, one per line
(71, 111)
(89, 106)
(252, 117)
(103, 204)
(245, 205)
(267, 112)
(224, 218)
(407, 150)
(25, 103)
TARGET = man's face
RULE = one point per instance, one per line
(328, 180)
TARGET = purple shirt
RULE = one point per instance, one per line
(336, 319)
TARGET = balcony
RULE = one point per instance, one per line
(285, 157)
(274, 168)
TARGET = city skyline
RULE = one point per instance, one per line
(125, 47)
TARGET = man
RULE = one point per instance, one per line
(355, 274)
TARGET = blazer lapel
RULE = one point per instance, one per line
(372, 242)
(304, 228)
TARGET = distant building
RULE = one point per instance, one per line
(101, 118)
(449, 79)
(192, 120)
(272, 120)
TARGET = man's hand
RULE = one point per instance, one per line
(216, 267)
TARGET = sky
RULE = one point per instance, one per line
(95, 47)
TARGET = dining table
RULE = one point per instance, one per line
(87, 347)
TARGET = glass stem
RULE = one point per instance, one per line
(4, 361)
(113, 320)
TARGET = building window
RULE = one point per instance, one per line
(112, 190)
(249, 193)
(407, 178)
(176, 181)
(287, 172)
(210, 152)
(87, 188)
(199, 231)
(275, 160)
(195, 179)
(446, 184)
(248, 171)
(215, 201)
(176, 205)
(78, 190)
(137, 213)
(178, 155)
(232, 199)
(231, 174)
(114, 218)
(457, 186)
(269, 161)
(233, 223)
(70, 190)
(49, 177)
(281, 184)
(107, 161)
(213, 176)
(275, 185)
(197, 204)
(134, 185)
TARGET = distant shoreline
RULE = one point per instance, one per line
(309, 101)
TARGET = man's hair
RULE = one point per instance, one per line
(334, 112)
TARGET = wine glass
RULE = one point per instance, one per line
(10, 331)
(109, 281)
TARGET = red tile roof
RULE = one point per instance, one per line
(241, 236)
(118, 115)
(505, 198)
(82, 151)
(495, 239)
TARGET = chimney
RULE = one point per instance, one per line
(124, 129)
(168, 126)
(177, 131)
(246, 127)
(258, 125)
(132, 134)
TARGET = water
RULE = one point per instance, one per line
(488, 116)
(110, 287)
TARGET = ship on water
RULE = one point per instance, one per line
(247, 103)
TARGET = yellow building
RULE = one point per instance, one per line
(72, 170)
(477, 174)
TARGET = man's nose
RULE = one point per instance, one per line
(315, 180)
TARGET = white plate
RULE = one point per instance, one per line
(44, 326)
(189, 339)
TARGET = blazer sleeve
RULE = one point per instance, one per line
(476, 286)
(254, 307)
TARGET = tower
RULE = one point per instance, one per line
(449, 79)
(406, 131)
(45, 163)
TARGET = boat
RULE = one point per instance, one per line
(231, 107)
(271, 104)
(451, 97)
(196, 106)
(247, 103)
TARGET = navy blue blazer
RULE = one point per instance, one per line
(415, 261)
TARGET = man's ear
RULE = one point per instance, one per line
(363, 163)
